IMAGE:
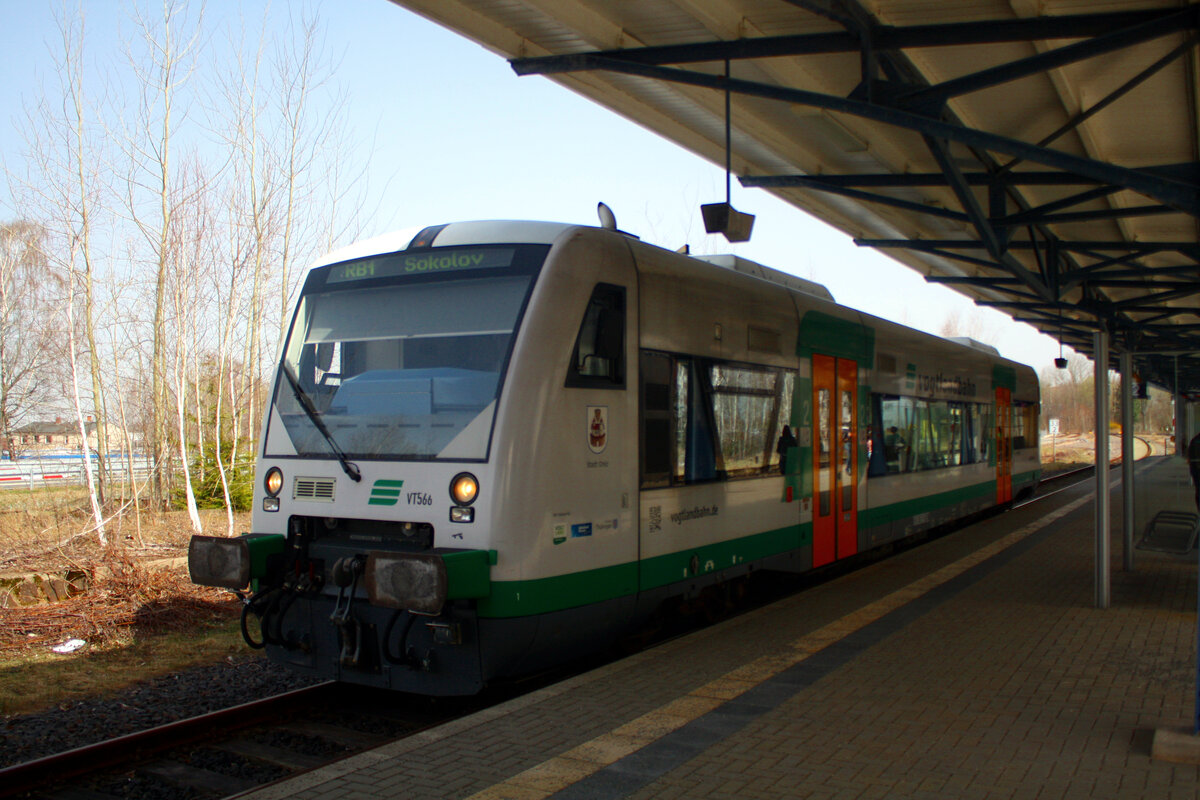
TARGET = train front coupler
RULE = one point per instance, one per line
(345, 574)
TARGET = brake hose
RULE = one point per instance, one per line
(387, 638)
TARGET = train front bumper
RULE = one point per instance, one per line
(234, 563)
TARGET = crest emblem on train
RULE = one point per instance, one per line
(597, 428)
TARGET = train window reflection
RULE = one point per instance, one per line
(405, 371)
(745, 402)
(846, 480)
(1024, 430)
(825, 450)
(911, 434)
(598, 358)
(726, 419)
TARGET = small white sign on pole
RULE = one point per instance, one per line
(1054, 426)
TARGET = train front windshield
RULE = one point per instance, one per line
(407, 366)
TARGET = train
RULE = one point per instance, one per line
(493, 447)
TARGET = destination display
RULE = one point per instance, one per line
(422, 262)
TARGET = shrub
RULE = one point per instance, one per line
(206, 480)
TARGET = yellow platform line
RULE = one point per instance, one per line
(572, 766)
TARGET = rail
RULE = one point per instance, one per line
(26, 777)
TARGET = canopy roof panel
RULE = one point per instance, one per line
(1040, 157)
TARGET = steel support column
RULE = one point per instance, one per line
(1100, 364)
(1127, 459)
(1181, 421)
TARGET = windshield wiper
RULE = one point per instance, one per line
(311, 410)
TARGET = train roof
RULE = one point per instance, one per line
(745, 265)
(528, 232)
(454, 233)
(533, 232)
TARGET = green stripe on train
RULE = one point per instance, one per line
(544, 595)
(541, 596)
(874, 517)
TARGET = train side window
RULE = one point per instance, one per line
(745, 403)
(658, 434)
(598, 360)
(787, 386)
(970, 441)
(703, 455)
(1024, 425)
(877, 459)
(898, 422)
(682, 403)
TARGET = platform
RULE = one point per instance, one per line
(974, 666)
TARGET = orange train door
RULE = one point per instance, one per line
(1003, 445)
(835, 458)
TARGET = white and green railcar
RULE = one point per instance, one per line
(495, 446)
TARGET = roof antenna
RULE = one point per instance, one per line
(608, 220)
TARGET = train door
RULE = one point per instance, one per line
(1003, 446)
(835, 458)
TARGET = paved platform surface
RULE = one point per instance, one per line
(975, 666)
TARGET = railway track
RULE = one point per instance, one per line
(228, 751)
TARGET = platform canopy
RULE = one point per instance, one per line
(1039, 157)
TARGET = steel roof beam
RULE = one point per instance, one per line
(1029, 217)
(1173, 328)
(883, 37)
(801, 181)
(995, 241)
(1021, 304)
(937, 94)
(965, 259)
(1159, 297)
(1187, 248)
(1071, 327)
(1133, 283)
(913, 180)
(1170, 192)
(1134, 271)
(918, 107)
(968, 280)
(1086, 114)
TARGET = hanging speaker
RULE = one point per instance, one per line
(724, 219)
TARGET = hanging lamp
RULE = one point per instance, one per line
(723, 218)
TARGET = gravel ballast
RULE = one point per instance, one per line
(158, 701)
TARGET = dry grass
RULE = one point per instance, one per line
(125, 601)
(141, 616)
(34, 681)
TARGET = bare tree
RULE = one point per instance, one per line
(969, 323)
(164, 65)
(70, 326)
(178, 281)
(26, 340)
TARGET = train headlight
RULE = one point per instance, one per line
(219, 561)
(464, 488)
(273, 482)
(413, 581)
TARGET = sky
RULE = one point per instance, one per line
(453, 134)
